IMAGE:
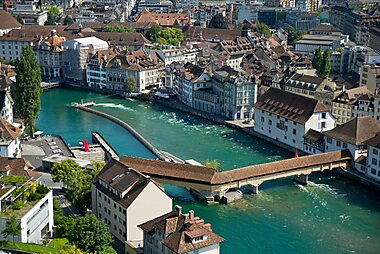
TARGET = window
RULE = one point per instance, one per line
(344, 145)
(100, 194)
(270, 122)
(329, 140)
(374, 161)
(373, 171)
(262, 119)
(375, 151)
(294, 132)
(338, 143)
(100, 205)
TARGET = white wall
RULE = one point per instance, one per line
(151, 203)
(373, 163)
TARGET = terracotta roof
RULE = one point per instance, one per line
(325, 28)
(179, 230)
(313, 135)
(288, 105)
(34, 33)
(163, 19)
(280, 166)
(171, 170)
(120, 39)
(8, 131)
(356, 131)
(18, 167)
(123, 179)
(210, 34)
(8, 21)
(375, 141)
(306, 78)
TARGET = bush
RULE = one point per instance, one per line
(18, 204)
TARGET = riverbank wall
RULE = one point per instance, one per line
(126, 126)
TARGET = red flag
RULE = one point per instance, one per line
(85, 144)
(296, 153)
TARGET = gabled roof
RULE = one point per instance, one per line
(8, 131)
(356, 131)
(291, 106)
(374, 142)
(180, 229)
(17, 167)
(8, 21)
(123, 179)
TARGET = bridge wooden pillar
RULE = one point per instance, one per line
(254, 188)
(301, 179)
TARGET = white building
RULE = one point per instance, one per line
(30, 14)
(6, 101)
(179, 233)
(373, 157)
(75, 56)
(352, 135)
(286, 117)
(9, 140)
(96, 69)
(124, 198)
(36, 217)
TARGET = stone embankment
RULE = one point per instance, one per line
(129, 128)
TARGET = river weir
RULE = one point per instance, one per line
(330, 215)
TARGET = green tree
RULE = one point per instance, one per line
(326, 64)
(281, 15)
(152, 33)
(172, 36)
(12, 227)
(62, 171)
(20, 20)
(97, 167)
(90, 234)
(27, 90)
(263, 29)
(68, 20)
(294, 36)
(106, 250)
(130, 85)
(218, 21)
(212, 164)
(79, 188)
(53, 12)
(71, 250)
(317, 60)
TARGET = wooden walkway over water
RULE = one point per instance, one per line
(206, 179)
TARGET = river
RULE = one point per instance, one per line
(330, 215)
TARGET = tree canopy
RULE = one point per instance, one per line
(263, 29)
(53, 12)
(326, 64)
(293, 35)
(130, 85)
(63, 170)
(27, 90)
(152, 33)
(68, 20)
(321, 62)
(218, 21)
(172, 36)
(12, 227)
(90, 234)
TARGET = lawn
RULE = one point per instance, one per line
(53, 248)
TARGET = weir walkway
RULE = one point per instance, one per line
(207, 182)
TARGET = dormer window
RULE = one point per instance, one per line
(199, 238)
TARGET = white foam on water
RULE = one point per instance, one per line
(112, 105)
(130, 99)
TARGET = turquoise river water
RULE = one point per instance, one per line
(330, 215)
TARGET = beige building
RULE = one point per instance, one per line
(50, 56)
(124, 198)
(179, 233)
(311, 87)
(343, 104)
(370, 76)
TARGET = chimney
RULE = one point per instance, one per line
(178, 209)
(191, 214)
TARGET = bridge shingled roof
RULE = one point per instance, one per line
(204, 175)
